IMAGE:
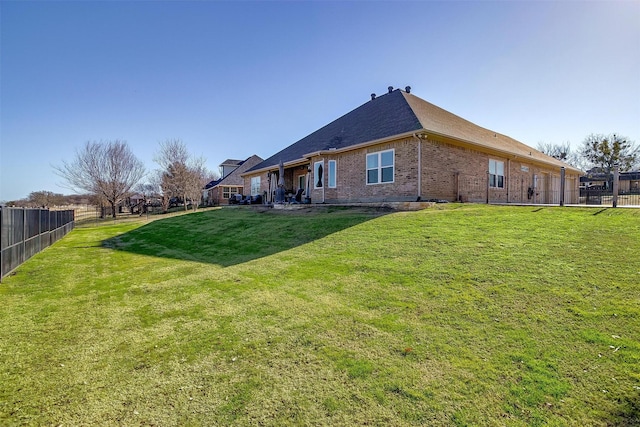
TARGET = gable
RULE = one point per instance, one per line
(234, 178)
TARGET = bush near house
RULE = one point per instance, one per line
(454, 315)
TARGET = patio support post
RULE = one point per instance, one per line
(616, 178)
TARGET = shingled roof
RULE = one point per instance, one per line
(232, 162)
(234, 178)
(400, 113)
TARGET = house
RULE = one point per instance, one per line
(596, 179)
(219, 191)
(398, 147)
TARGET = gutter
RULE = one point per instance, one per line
(363, 144)
(307, 156)
(297, 162)
(419, 137)
(507, 154)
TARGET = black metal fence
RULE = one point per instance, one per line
(604, 196)
(543, 189)
(25, 232)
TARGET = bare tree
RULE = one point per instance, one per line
(106, 169)
(557, 151)
(181, 174)
(196, 179)
(561, 152)
(172, 159)
(45, 198)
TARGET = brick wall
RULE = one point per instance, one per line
(216, 194)
(351, 185)
(449, 172)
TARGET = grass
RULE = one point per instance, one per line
(454, 315)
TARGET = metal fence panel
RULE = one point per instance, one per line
(12, 226)
(11, 258)
(25, 232)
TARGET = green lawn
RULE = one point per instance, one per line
(454, 315)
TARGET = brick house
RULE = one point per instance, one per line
(218, 192)
(398, 148)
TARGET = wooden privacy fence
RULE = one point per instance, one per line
(25, 232)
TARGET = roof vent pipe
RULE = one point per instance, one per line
(390, 89)
(407, 89)
(373, 96)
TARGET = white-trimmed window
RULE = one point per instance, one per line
(380, 167)
(228, 192)
(255, 185)
(331, 174)
(318, 174)
(496, 174)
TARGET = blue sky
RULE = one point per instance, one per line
(232, 79)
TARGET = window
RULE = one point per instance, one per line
(301, 181)
(332, 174)
(228, 192)
(496, 174)
(255, 185)
(318, 173)
(380, 167)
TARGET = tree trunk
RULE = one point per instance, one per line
(113, 209)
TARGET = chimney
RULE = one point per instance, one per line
(407, 89)
(390, 89)
(373, 96)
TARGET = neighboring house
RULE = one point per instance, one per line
(628, 182)
(398, 147)
(219, 191)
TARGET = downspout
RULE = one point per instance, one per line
(324, 174)
(419, 165)
(419, 170)
(508, 178)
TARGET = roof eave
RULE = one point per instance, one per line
(508, 154)
(296, 162)
(365, 144)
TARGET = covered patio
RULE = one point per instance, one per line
(297, 178)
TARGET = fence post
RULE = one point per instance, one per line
(24, 234)
(2, 211)
(39, 230)
(616, 177)
(562, 185)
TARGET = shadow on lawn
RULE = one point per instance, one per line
(629, 414)
(235, 235)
